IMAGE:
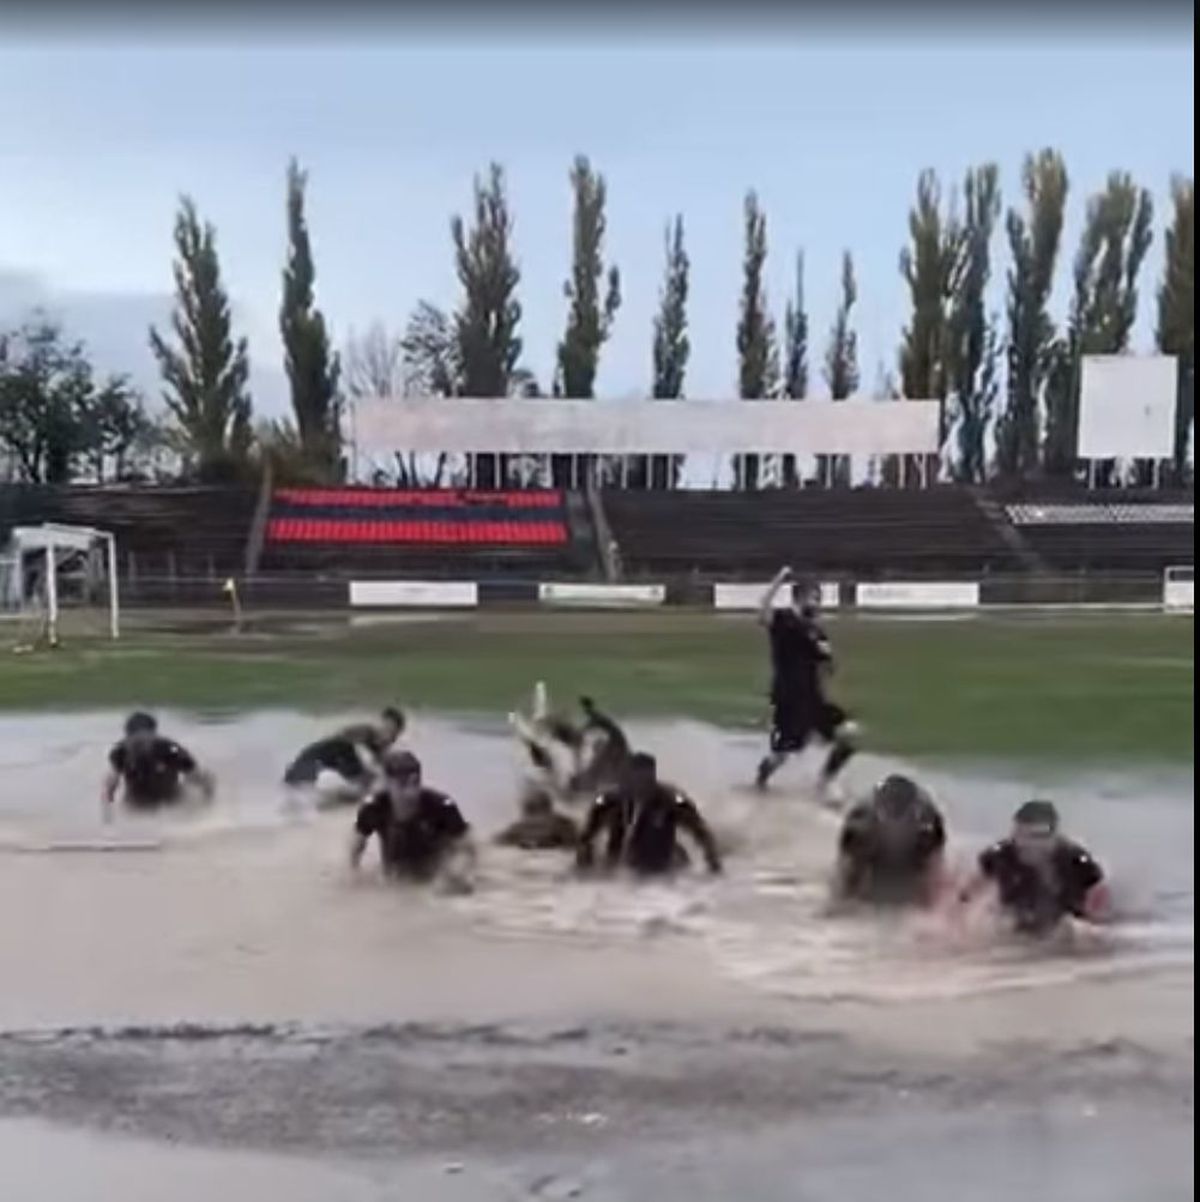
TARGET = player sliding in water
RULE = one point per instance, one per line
(642, 818)
(891, 847)
(342, 767)
(801, 659)
(422, 833)
(155, 771)
(1040, 876)
(570, 761)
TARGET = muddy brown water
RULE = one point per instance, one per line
(243, 924)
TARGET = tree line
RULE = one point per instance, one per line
(1007, 382)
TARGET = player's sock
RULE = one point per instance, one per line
(766, 769)
(839, 753)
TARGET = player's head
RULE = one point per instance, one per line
(806, 598)
(1035, 827)
(402, 777)
(536, 803)
(641, 774)
(391, 725)
(896, 797)
(140, 728)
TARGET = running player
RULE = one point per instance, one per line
(642, 818)
(890, 849)
(422, 833)
(801, 659)
(1039, 875)
(155, 771)
(540, 827)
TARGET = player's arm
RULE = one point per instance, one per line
(457, 870)
(601, 721)
(596, 820)
(108, 792)
(365, 825)
(185, 764)
(980, 879)
(1096, 902)
(692, 822)
(766, 607)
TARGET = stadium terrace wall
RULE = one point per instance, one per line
(289, 592)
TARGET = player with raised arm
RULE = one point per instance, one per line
(801, 660)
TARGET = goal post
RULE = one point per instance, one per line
(48, 568)
(1177, 594)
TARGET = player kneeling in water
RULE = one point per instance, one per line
(801, 659)
(1039, 875)
(154, 770)
(642, 818)
(340, 768)
(890, 849)
(540, 827)
(422, 833)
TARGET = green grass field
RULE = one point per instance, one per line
(1104, 688)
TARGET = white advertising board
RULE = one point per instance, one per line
(749, 596)
(1127, 407)
(602, 596)
(917, 595)
(431, 594)
(381, 426)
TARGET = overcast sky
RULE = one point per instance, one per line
(101, 135)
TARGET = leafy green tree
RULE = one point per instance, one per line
(488, 347)
(1176, 311)
(313, 368)
(758, 348)
(1116, 236)
(205, 374)
(1033, 243)
(672, 347)
(973, 350)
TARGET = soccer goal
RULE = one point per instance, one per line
(1177, 589)
(54, 577)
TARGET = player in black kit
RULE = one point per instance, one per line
(642, 818)
(349, 756)
(153, 769)
(801, 658)
(422, 833)
(1039, 875)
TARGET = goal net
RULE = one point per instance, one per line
(1177, 589)
(58, 582)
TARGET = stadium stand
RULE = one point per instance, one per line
(160, 531)
(443, 532)
(1101, 529)
(867, 533)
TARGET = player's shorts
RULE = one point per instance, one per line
(794, 720)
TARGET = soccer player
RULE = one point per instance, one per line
(1039, 875)
(421, 831)
(890, 848)
(801, 660)
(540, 827)
(346, 760)
(154, 770)
(642, 818)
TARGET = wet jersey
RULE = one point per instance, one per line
(799, 651)
(643, 835)
(151, 773)
(1039, 899)
(413, 845)
(336, 753)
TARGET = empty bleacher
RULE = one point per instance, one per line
(865, 533)
(1122, 530)
(372, 532)
(161, 531)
